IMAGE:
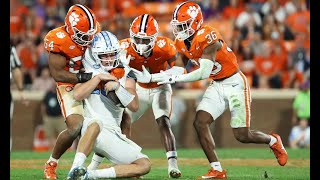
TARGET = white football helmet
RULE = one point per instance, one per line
(103, 54)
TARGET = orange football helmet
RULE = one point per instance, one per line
(81, 24)
(143, 32)
(186, 20)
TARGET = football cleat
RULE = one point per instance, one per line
(214, 174)
(174, 172)
(50, 170)
(78, 173)
(279, 151)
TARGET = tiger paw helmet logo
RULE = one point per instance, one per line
(193, 11)
(73, 19)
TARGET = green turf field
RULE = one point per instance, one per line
(244, 164)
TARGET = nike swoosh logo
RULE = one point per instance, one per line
(234, 85)
(157, 58)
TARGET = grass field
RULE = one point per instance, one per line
(244, 164)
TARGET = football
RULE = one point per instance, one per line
(114, 98)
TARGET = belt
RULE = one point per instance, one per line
(221, 79)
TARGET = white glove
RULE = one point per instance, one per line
(164, 78)
(142, 77)
(123, 57)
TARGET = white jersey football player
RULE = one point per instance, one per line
(105, 98)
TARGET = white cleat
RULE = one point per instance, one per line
(174, 172)
(78, 173)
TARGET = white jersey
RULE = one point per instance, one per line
(97, 105)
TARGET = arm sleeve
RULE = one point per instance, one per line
(203, 72)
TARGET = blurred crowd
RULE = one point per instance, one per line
(271, 38)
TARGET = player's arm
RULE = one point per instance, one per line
(57, 62)
(127, 95)
(205, 67)
(83, 90)
(131, 88)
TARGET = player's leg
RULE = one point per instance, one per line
(121, 151)
(210, 108)
(73, 111)
(126, 124)
(161, 106)
(239, 103)
(86, 142)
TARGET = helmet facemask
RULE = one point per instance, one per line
(143, 44)
(182, 30)
(107, 60)
(83, 38)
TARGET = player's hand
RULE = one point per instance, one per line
(107, 77)
(142, 77)
(164, 78)
(124, 58)
(111, 86)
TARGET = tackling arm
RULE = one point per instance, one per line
(206, 63)
(83, 90)
(57, 63)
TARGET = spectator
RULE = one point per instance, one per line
(44, 81)
(300, 135)
(299, 21)
(51, 114)
(232, 10)
(248, 15)
(274, 8)
(301, 104)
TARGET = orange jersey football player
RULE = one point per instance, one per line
(204, 46)
(151, 54)
(65, 46)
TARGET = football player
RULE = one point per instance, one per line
(65, 46)
(102, 116)
(151, 54)
(204, 46)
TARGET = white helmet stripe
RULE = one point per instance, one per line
(89, 15)
(144, 23)
(176, 10)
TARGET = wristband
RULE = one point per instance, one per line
(83, 77)
(124, 96)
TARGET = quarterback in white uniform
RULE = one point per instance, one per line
(105, 97)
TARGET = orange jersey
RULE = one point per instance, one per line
(163, 51)
(225, 64)
(59, 41)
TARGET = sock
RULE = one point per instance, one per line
(172, 158)
(53, 159)
(78, 160)
(216, 166)
(272, 140)
(95, 162)
(102, 173)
